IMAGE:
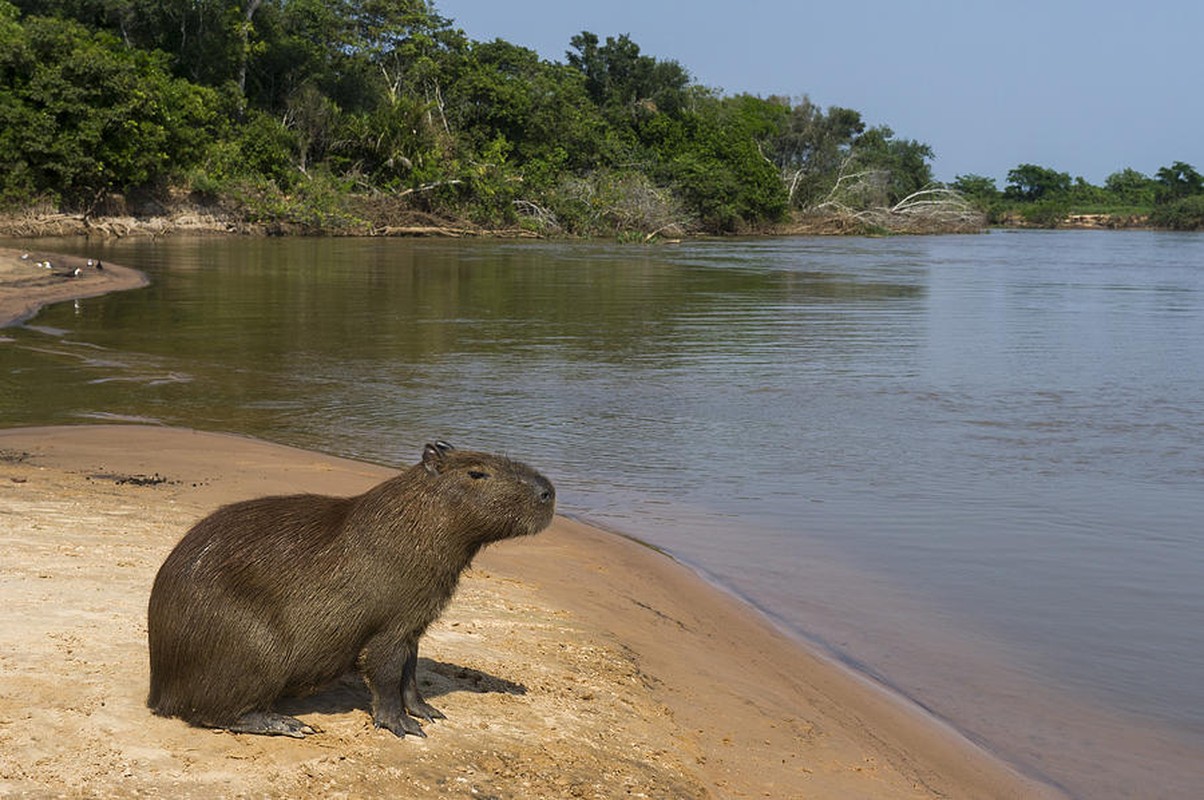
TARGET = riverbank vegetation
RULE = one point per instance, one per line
(1043, 197)
(380, 116)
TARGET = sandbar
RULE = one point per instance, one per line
(26, 285)
(575, 663)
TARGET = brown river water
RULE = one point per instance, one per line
(971, 467)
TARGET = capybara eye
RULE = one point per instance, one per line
(477, 475)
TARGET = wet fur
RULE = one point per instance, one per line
(280, 595)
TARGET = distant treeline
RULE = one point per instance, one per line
(1173, 198)
(346, 115)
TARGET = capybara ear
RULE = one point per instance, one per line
(432, 456)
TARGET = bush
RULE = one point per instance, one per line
(611, 203)
(1046, 213)
(1186, 214)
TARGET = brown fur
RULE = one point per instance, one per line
(280, 595)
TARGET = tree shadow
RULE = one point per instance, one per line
(435, 679)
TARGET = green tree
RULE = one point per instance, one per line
(811, 147)
(411, 45)
(81, 115)
(1030, 183)
(1084, 196)
(388, 147)
(1177, 181)
(625, 82)
(719, 169)
(541, 109)
(1131, 187)
(905, 162)
(1184, 214)
(976, 187)
(301, 45)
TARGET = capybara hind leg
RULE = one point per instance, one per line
(269, 723)
(411, 699)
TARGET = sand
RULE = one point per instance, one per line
(25, 287)
(576, 663)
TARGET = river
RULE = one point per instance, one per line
(970, 466)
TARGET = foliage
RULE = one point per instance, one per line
(1184, 214)
(903, 164)
(1030, 183)
(625, 83)
(281, 110)
(811, 148)
(80, 115)
(976, 187)
(1176, 182)
(1130, 187)
(609, 202)
(1044, 197)
(1046, 213)
(253, 103)
(714, 164)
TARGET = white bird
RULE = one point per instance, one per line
(25, 256)
(77, 272)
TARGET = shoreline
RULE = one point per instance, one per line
(192, 221)
(574, 661)
(25, 287)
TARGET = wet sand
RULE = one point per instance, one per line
(25, 287)
(576, 663)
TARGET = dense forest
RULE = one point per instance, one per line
(366, 115)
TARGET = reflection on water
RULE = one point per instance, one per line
(969, 465)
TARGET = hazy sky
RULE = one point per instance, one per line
(1082, 87)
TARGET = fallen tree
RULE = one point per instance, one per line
(855, 203)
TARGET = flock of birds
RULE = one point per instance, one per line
(75, 273)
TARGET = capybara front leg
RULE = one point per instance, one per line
(269, 723)
(410, 697)
(384, 668)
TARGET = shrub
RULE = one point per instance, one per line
(1186, 214)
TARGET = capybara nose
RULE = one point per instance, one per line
(544, 490)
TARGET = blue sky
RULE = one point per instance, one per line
(1086, 88)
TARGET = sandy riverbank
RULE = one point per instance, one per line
(573, 664)
(25, 286)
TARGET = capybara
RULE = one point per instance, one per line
(277, 596)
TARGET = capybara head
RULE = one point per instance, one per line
(491, 496)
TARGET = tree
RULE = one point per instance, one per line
(1131, 187)
(413, 47)
(542, 109)
(719, 168)
(621, 80)
(81, 115)
(1030, 183)
(904, 162)
(1177, 181)
(978, 187)
(271, 99)
(811, 148)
